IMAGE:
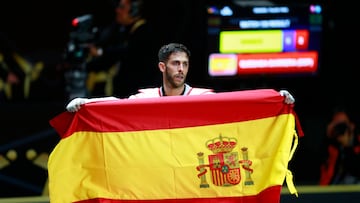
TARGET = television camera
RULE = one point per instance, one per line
(76, 55)
(81, 35)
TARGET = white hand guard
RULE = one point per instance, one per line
(289, 99)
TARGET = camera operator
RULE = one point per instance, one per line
(127, 42)
(341, 161)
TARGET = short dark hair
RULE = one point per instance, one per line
(166, 50)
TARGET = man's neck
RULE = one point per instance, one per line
(173, 91)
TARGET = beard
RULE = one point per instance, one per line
(176, 80)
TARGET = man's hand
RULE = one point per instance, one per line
(289, 99)
(75, 104)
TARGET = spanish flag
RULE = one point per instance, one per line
(225, 147)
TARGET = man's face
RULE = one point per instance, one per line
(123, 12)
(176, 69)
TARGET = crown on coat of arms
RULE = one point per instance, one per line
(221, 144)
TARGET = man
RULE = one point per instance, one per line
(174, 66)
(340, 161)
(126, 42)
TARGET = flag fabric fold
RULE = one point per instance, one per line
(224, 147)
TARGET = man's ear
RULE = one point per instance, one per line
(162, 66)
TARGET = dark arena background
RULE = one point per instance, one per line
(39, 30)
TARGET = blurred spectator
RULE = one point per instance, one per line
(11, 73)
(341, 163)
(129, 43)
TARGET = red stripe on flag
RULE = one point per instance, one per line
(271, 194)
(155, 113)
